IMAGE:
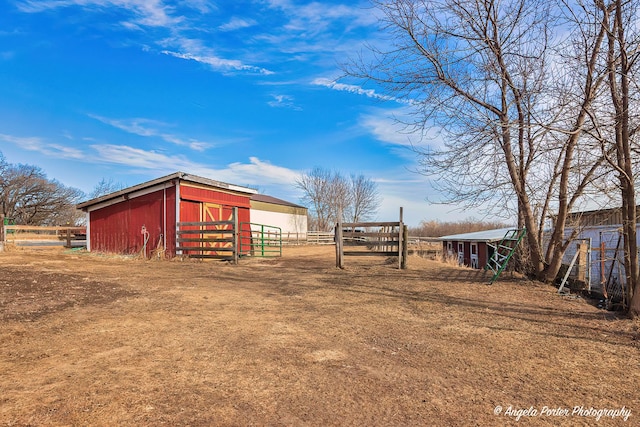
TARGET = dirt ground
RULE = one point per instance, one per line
(107, 340)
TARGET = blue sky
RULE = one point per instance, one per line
(238, 91)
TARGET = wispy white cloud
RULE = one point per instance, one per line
(193, 49)
(217, 63)
(32, 143)
(315, 34)
(261, 172)
(202, 6)
(29, 143)
(303, 33)
(149, 128)
(383, 127)
(138, 158)
(315, 17)
(255, 173)
(358, 90)
(158, 14)
(237, 23)
(149, 13)
(284, 101)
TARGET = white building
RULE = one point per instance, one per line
(273, 212)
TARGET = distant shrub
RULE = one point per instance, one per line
(435, 228)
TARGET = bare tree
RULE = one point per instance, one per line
(322, 191)
(29, 198)
(365, 198)
(104, 187)
(483, 71)
(331, 196)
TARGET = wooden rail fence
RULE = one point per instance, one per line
(320, 237)
(373, 239)
(209, 239)
(20, 234)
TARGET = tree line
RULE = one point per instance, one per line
(29, 197)
(435, 228)
(537, 104)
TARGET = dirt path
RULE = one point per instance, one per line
(95, 340)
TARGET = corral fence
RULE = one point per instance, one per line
(372, 239)
(425, 247)
(320, 237)
(40, 236)
(260, 240)
(228, 240)
(294, 237)
(208, 240)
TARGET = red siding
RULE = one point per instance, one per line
(118, 228)
(482, 252)
(189, 211)
(212, 196)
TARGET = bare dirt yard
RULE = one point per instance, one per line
(106, 340)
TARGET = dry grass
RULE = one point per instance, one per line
(98, 340)
(450, 259)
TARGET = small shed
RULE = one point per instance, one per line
(123, 221)
(473, 249)
(289, 217)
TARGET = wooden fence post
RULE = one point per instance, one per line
(339, 248)
(401, 262)
(1, 232)
(236, 235)
(405, 246)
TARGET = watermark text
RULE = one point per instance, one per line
(563, 412)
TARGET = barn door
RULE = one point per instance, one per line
(460, 253)
(212, 212)
(474, 255)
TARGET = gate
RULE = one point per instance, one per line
(209, 239)
(260, 240)
(372, 238)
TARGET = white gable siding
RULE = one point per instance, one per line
(294, 227)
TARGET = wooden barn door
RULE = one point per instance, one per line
(212, 212)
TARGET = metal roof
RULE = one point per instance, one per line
(273, 200)
(177, 175)
(479, 236)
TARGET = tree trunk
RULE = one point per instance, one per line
(634, 306)
(618, 67)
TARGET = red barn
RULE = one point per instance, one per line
(473, 249)
(120, 222)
